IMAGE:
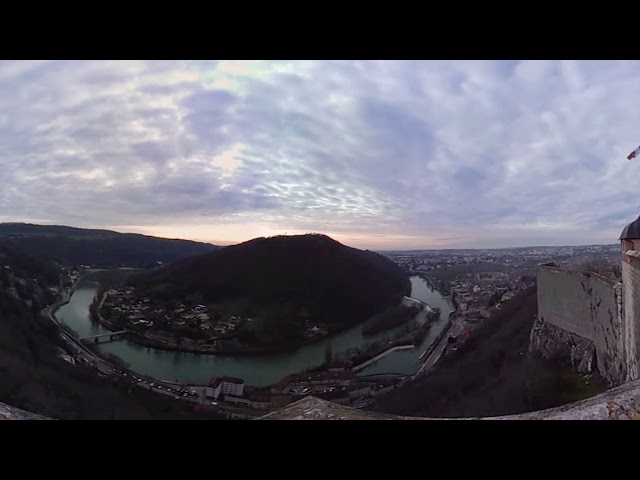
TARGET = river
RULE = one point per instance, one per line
(257, 370)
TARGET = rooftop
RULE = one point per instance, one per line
(632, 230)
(215, 381)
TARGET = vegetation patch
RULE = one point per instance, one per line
(491, 374)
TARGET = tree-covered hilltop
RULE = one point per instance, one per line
(288, 284)
(101, 248)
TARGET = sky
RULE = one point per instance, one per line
(376, 154)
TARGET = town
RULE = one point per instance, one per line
(478, 282)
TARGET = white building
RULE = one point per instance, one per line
(225, 386)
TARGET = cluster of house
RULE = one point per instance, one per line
(73, 274)
(200, 317)
(474, 293)
(133, 310)
(68, 277)
(139, 311)
(144, 313)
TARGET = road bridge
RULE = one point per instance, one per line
(105, 337)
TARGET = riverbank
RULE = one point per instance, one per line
(449, 298)
(433, 285)
(51, 310)
(258, 370)
(390, 318)
(427, 359)
(381, 355)
(230, 346)
(160, 344)
(410, 339)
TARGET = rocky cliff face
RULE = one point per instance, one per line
(554, 343)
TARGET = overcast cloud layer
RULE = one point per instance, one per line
(400, 154)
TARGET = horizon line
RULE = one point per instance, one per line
(227, 243)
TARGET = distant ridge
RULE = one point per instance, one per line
(101, 248)
(20, 228)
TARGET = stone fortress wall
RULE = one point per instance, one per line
(581, 321)
(591, 321)
(631, 302)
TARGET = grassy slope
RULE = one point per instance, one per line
(491, 374)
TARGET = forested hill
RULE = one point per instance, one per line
(288, 277)
(101, 248)
(15, 259)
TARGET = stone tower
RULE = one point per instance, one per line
(630, 251)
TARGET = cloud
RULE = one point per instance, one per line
(415, 154)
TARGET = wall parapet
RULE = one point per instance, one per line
(554, 267)
(619, 403)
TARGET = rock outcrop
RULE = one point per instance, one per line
(554, 343)
(7, 412)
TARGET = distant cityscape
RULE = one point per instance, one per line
(478, 282)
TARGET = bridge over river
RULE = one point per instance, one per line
(107, 337)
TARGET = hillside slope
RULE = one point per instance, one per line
(491, 373)
(102, 248)
(285, 280)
